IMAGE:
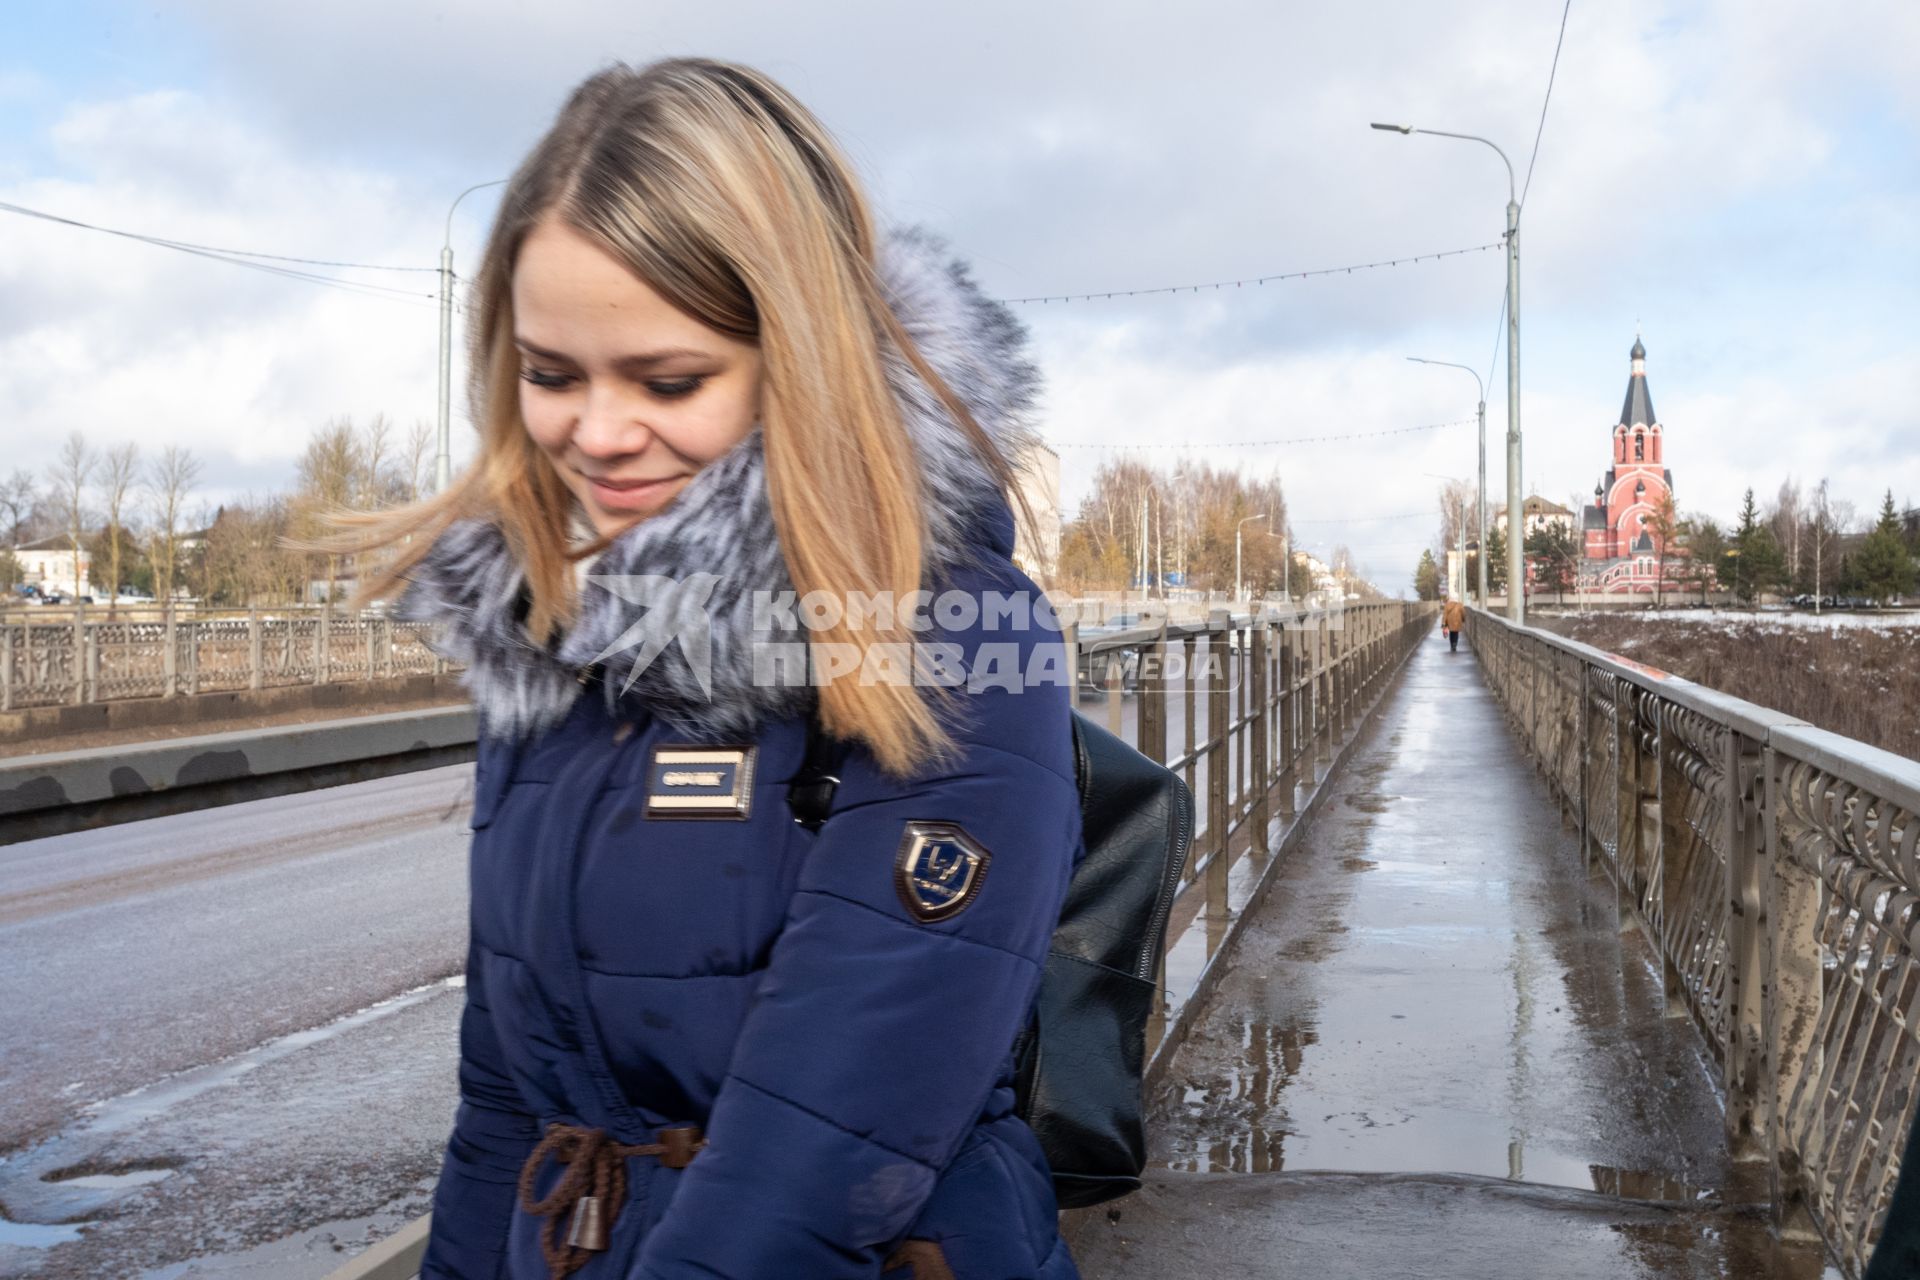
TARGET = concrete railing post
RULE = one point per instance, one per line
(1116, 691)
(1583, 726)
(1190, 713)
(1323, 688)
(6, 666)
(1153, 698)
(1744, 839)
(170, 660)
(1262, 781)
(1219, 766)
(1791, 1013)
(77, 663)
(193, 656)
(255, 665)
(93, 662)
(1289, 708)
(1626, 794)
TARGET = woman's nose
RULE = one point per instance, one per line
(611, 425)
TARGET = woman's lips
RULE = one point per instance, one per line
(630, 495)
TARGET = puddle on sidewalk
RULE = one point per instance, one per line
(1248, 1117)
(35, 1235)
(115, 1181)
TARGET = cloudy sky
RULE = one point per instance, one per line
(1739, 179)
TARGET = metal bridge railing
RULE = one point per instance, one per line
(77, 659)
(1244, 708)
(1776, 869)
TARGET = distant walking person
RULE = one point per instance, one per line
(1452, 619)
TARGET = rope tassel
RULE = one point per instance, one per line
(588, 1196)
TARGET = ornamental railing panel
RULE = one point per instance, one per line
(1775, 868)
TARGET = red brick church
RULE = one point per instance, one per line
(1620, 550)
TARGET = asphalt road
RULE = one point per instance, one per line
(229, 1030)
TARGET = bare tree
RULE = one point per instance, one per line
(16, 503)
(1788, 519)
(331, 470)
(245, 560)
(70, 474)
(1665, 527)
(1457, 499)
(419, 453)
(170, 481)
(119, 469)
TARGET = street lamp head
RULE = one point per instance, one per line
(1393, 128)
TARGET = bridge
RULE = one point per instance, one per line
(1515, 961)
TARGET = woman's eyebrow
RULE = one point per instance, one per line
(642, 360)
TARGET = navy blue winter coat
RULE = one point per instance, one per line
(848, 1060)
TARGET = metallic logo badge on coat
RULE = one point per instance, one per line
(700, 781)
(939, 870)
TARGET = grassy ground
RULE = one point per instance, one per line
(1859, 680)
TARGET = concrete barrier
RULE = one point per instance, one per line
(59, 792)
(395, 1258)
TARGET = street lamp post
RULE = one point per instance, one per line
(1481, 526)
(443, 451)
(1236, 553)
(1516, 561)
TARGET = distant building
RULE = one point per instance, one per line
(1317, 571)
(48, 564)
(1536, 513)
(1617, 540)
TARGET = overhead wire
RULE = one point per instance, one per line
(239, 258)
(1542, 126)
(1261, 444)
(1103, 295)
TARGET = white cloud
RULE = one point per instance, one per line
(122, 340)
(1736, 175)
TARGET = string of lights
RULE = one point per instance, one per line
(1262, 444)
(1251, 280)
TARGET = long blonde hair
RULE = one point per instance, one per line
(725, 194)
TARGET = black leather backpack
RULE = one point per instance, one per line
(1080, 1059)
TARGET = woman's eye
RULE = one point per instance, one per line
(542, 378)
(678, 387)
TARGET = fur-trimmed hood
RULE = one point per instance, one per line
(718, 543)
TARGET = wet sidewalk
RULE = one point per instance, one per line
(1436, 1054)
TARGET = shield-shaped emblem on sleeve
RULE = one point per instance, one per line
(939, 870)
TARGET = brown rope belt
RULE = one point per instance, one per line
(589, 1194)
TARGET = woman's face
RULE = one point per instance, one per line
(627, 396)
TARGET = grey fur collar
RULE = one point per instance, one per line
(722, 525)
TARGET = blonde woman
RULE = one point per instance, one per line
(702, 1038)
